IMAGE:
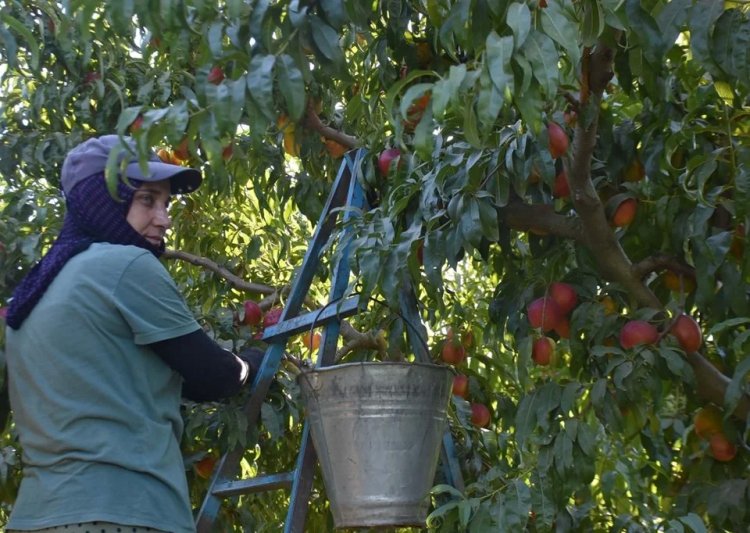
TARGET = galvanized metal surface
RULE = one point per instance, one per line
(377, 430)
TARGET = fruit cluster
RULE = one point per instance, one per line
(551, 313)
(709, 426)
(255, 318)
(453, 352)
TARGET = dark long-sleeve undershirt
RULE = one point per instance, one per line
(209, 371)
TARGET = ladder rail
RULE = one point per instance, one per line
(304, 472)
(347, 200)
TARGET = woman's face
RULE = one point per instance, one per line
(148, 211)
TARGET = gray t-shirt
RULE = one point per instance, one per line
(97, 412)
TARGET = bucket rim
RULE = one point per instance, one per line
(343, 366)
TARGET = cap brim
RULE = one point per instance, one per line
(182, 180)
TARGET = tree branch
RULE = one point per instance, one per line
(234, 281)
(353, 339)
(313, 122)
(614, 264)
(660, 261)
(357, 340)
(540, 218)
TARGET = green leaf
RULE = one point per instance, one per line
(593, 22)
(126, 118)
(465, 510)
(455, 26)
(394, 91)
(569, 396)
(587, 439)
(563, 450)
(260, 83)
(435, 518)
(731, 45)
(649, 33)
(703, 15)
(727, 325)
(334, 11)
(499, 52)
(413, 93)
(297, 13)
(489, 101)
(488, 219)
(676, 363)
(258, 14)
(10, 46)
(515, 508)
(519, 20)
(541, 53)
(694, 522)
(527, 77)
(526, 417)
(470, 223)
(291, 85)
(599, 391)
(446, 90)
(530, 103)
(622, 372)
(470, 127)
(559, 24)
(271, 421)
(672, 19)
(214, 35)
(28, 37)
(424, 136)
(434, 257)
(675, 527)
(178, 118)
(219, 99)
(735, 388)
(327, 40)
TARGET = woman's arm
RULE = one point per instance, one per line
(210, 372)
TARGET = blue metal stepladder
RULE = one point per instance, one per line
(346, 199)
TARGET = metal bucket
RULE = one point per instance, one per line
(377, 429)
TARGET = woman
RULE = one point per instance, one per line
(100, 347)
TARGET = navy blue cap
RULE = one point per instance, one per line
(90, 157)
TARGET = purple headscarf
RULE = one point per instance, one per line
(93, 215)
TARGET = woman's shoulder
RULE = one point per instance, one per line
(107, 264)
(125, 251)
(117, 256)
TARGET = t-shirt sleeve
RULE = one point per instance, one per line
(148, 299)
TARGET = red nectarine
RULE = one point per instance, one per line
(688, 333)
(558, 140)
(564, 295)
(638, 332)
(544, 313)
(460, 385)
(543, 351)
(480, 415)
(253, 313)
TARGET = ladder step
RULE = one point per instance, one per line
(304, 322)
(256, 484)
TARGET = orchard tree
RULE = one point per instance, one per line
(564, 183)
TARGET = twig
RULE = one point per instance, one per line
(356, 340)
(235, 281)
(540, 217)
(659, 262)
(312, 121)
